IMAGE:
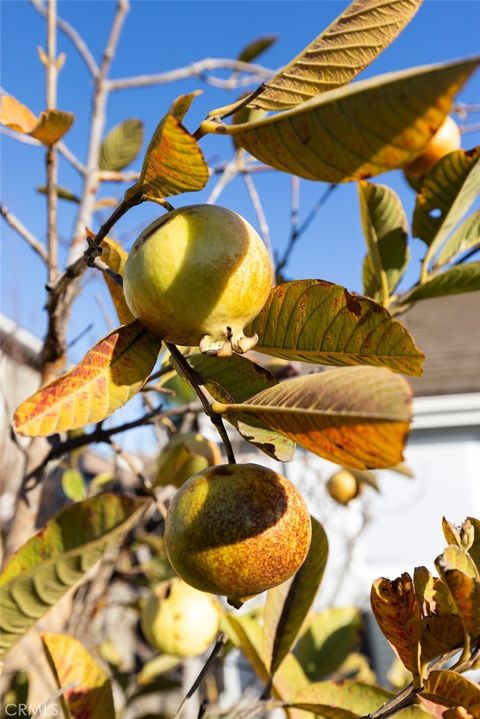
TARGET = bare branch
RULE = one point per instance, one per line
(73, 35)
(51, 153)
(8, 132)
(229, 173)
(259, 211)
(16, 225)
(196, 69)
(297, 232)
(100, 435)
(123, 7)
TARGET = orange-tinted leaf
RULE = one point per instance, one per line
(112, 372)
(472, 526)
(115, 257)
(91, 696)
(356, 416)
(48, 128)
(397, 612)
(452, 689)
(173, 162)
(459, 572)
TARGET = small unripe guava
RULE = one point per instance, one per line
(446, 139)
(177, 619)
(343, 486)
(237, 530)
(184, 456)
(198, 276)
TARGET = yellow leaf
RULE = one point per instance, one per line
(88, 691)
(357, 131)
(48, 128)
(173, 162)
(112, 372)
(339, 53)
(114, 255)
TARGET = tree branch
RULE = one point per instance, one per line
(259, 211)
(21, 230)
(73, 35)
(100, 435)
(196, 69)
(51, 154)
(297, 232)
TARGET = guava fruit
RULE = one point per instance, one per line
(177, 619)
(446, 139)
(184, 456)
(198, 276)
(237, 530)
(343, 486)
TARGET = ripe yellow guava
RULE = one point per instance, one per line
(237, 530)
(446, 139)
(198, 276)
(343, 486)
(184, 456)
(177, 619)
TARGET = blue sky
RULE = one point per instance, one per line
(163, 35)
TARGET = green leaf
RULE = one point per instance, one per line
(386, 232)
(121, 145)
(455, 281)
(62, 192)
(256, 48)
(56, 558)
(331, 636)
(91, 695)
(464, 238)
(357, 416)
(173, 162)
(347, 699)
(316, 321)
(288, 604)
(357, 131)
(446, 194)
(339, 53)
(73, 485)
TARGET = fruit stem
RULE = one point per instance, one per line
(194, 379)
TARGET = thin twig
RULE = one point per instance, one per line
(195, 381)
(8, 132)
(297, 232)
(196, 69)
(221, 641)
(112, 176)
(21, 230)
(230, 171)
(74, 36)
(51, 153)
(259, 211)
